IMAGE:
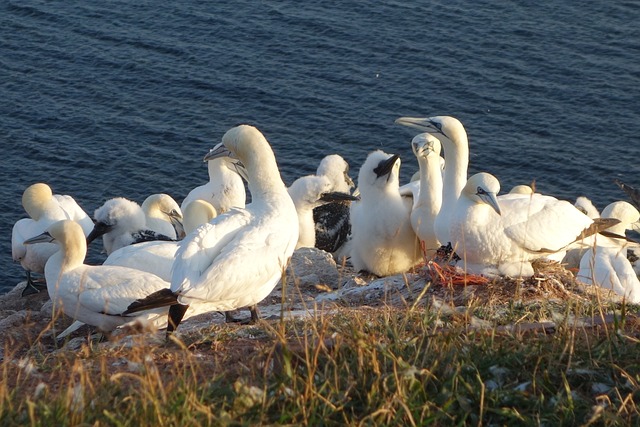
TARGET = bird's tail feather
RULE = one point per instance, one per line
(161, 298)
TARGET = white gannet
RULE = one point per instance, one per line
(308, 193)
(331, 220)
(225, 189)
(503, 236)
(382, 240)
(454, 141)
(44, 208)
(157, 256)
(586, 207)
(163, 215)
(235, 260)
(121, 222)
(521, 189)
(633, 193)
(427, 203)
(95, 295)
(606, 264)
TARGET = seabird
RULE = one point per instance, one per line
(163, 215)
(606, 264)
(383, 241)
(225, 189)
(95, 295)
(44, 208)
(586, 207)
(235, 260)
(502, 236)
(453, 137)
(157, 256)
(427, 202)
(332, 223)
(521, 189)
(122, 222)
(308, 193)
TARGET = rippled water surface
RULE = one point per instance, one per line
(119, 98)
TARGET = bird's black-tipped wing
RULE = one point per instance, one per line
(150, 236)
(633, 193)
(161, 298)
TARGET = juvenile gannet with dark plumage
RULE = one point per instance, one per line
(163, 215)
(95, 295)
(308, 193)
(331, 220)
(122, 222)
(225, 189)
(235, 260)
(44, 208)
(606, 264)
(502, 236)
(382, 240)
(427, 203)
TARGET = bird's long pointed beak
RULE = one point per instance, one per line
(349, 181)
(337, 196)
(218, 151)
(492, 200)
(385, 166)
(635, 226)
(241, 170)
(99, 229)
(420, 123)
(40, 238)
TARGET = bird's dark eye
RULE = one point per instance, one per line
(438, 125)
(480, 191)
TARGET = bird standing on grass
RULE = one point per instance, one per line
(95, 295)
(237, 259)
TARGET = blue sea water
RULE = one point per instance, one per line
(119, 98)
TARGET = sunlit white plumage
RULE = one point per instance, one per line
(157, 256)
(44, 208)
(336, 169)
(453, 137)
(95, 295)
(163, 215)
(121, 222)
(504, 235)
(586, 206)
(427, 203)
(236, 259)
(521, 189)
(225, 188)
(383, 241)
(606, 264)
